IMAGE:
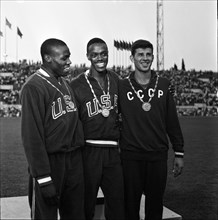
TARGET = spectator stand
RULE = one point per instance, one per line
(196, 91)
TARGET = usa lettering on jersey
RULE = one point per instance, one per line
(58, 109)
(93, 107)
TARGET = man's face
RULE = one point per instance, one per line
(143, 59)
(98, 55)
(60, 60)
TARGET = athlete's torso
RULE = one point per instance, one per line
(55, 109)
(96, 126)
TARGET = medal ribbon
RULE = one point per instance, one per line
(93, 92)
(140, 98)
(55, 86)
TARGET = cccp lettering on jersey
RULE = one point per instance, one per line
(130, 94)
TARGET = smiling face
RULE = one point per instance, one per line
(59, 60)
(142, 59)
(98, 55)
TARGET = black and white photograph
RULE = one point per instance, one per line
(108, 109)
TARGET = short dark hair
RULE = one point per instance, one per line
(46, 47)
(140, 44)
(94, 41)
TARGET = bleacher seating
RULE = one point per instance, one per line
(196, 91)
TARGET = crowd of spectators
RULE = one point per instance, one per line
(196, 92)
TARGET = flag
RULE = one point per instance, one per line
(121, 45)
(19, 32)
(129, 46)
(7, 23)
(125, 46)
(1, 34)
(116, 44)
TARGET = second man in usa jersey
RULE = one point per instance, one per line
(98, 114)
(96, 93)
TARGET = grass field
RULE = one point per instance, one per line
(194, 194)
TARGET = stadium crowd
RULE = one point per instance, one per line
(196, 92)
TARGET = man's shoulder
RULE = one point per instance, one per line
(33, 83)
(123, 83)
(32, 80)
(126, 77)
(77, 79)
(164, 80)
(113, 74)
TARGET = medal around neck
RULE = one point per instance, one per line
(105, 112)
(146, 106)
(71, 104)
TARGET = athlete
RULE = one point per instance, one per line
(52, 136)
(149, 117)
(96, 93)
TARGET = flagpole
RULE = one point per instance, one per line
(0, 48)
(123, 58)
(127, 58)
(125, 55)
(113, 55)
(115, 60)
(16, 48)
(116, 55)
(119, 55)
(5, 55)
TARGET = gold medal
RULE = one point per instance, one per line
(146, 106)
(71, 104)
(105, 112)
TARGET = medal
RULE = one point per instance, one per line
(105, 112)
(68, 101)
(146, 106)
(71, 104)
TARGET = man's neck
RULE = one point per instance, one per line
(99, 76)
(143, 77)
(49, 70)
